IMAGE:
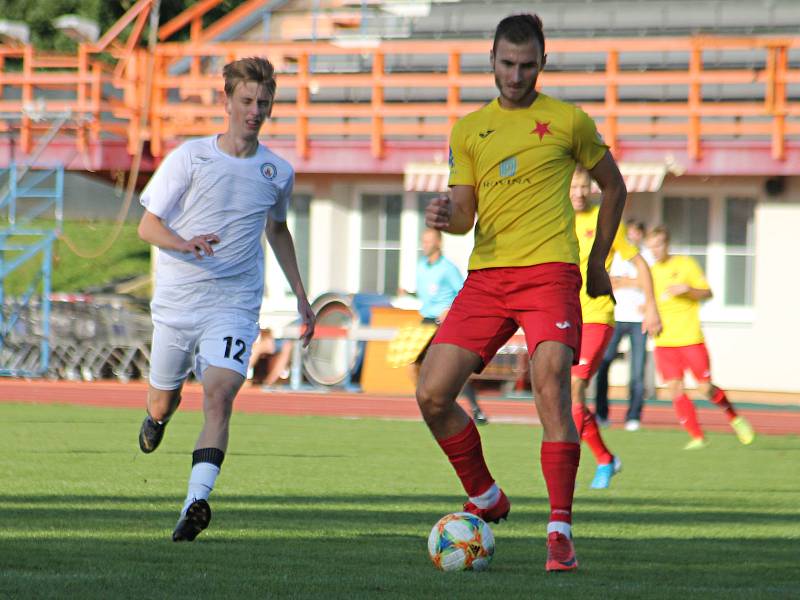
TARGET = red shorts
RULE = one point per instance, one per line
(594, 340)
(494, 303)
(672, 362)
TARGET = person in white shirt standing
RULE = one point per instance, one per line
(628, 313)
(206, 208)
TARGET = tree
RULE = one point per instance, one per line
(40, 14)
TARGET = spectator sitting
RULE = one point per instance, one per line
(269, 359)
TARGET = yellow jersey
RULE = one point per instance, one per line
(520, 163)
(600, 309)
(680, 316)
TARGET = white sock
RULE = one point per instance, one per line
(201, 482)
(561, 527)
(487, 498)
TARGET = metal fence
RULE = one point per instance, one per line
(87, 340)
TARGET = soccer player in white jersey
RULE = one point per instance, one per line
(206, 207)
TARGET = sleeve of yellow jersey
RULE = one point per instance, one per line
(621, 244)
(588, 146)
(461, 170)
(694, 275)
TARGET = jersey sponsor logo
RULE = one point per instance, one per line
(269, 171)
(204, 159)
(507, 182)
(563, 324)
(542, 129)
(484, 134)
(508, 168)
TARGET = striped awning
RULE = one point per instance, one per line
(426, 177)
(641, 177)
(432, 177)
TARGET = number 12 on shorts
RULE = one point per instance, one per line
(240, 345)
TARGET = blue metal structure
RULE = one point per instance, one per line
(31, 218)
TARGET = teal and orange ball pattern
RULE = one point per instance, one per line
(461, 542)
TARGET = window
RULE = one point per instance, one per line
(687, 220)
(299, 214)
(739, 251)
(380, 243)
(720, 234)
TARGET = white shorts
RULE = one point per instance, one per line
(188, 340)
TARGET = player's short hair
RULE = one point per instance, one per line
(581, 171)
(519, 29)
(659, 230)
(253, 68)
(638, 225)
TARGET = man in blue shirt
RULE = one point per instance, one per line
(438, 283)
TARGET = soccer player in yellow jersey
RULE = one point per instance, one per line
(511, 163)
(598, 323)
(680, 287)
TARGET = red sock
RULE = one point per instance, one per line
(687, 415)
(578, 418)
(466, 455)
(586, 424)
(720, 399)
(559, 466)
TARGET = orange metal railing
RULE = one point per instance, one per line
(416, 89)
(36, 87)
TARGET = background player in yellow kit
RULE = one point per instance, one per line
(680, 287)
(598, 323)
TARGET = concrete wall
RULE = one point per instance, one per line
(761, 355)
(751, 349)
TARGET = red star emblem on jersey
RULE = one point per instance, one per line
(589, 234)
(542, 129)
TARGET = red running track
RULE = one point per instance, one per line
(342, 404)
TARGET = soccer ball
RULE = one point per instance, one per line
(461, 542)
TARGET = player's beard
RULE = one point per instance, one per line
(516, 94)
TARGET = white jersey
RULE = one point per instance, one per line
(199, 189)
(630, 301)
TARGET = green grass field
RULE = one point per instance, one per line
(127, 257)
(314, 507)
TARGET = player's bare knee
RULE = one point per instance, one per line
(433, 401)
(218, 408)
(425, 395)
(706, 388)
(550, 391)
(675, 387)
